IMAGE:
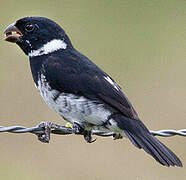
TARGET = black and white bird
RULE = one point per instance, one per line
(77, 89)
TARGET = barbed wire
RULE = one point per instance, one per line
(44, 129)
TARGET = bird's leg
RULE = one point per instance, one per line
(77, 128)
(45, 137)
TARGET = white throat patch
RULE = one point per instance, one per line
(49, 47)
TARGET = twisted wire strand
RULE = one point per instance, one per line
(63, 130)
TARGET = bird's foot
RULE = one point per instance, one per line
(117, 136)
(76, 129)
(79, 129)
(45, 137)
(88, 136)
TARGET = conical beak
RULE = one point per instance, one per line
(12, 33)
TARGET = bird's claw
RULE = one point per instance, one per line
(88, 137)
(117, 136)
(78, 129)
(45, 137)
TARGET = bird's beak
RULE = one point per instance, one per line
(12, 33)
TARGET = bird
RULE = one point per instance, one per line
(78, 90)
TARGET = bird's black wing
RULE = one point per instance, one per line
(76, 74)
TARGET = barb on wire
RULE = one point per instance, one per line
(44, 129)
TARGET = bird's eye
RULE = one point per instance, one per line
(29, 27)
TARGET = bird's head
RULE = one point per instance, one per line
(37, 36)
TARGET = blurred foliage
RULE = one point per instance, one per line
(141, 44)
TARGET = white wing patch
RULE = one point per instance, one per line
(112, 82)
(49, 47)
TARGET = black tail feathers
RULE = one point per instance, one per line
(140, 136)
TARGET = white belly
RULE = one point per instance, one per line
(71, 107)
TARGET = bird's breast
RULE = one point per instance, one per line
(71, 107)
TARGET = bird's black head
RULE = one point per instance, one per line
(37, 35)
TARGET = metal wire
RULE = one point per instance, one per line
(63, 130)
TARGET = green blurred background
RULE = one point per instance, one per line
(141, 44)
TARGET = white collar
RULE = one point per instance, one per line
(49, 47)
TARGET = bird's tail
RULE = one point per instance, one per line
(140, 136)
